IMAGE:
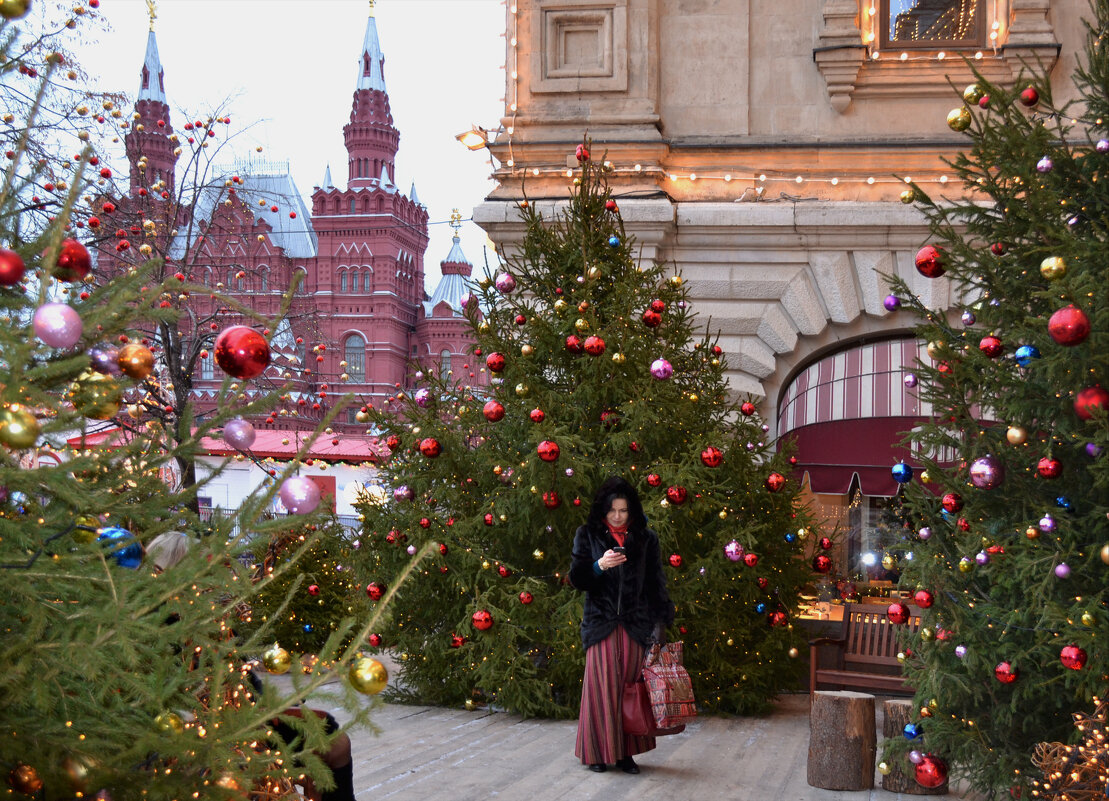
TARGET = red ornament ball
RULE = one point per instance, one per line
(573, 344)
(1006, 673)
(457, 642)
(654, 479)
(750, 559)
(1069, 326)
(676, 495)
(898, 613)
(581, 153)
(526, 598)
(552, 500)
(610, 205)
(536, 415)
(74, 262)
(375, 590)
(493, 411)
(712, 457)
(651, 318)
(923, 598)
(822, 563)
(503, 571)
(482, 620)
(825, 543)
(658, 306)
(1029, 96)
(443, 549)
(375, 640)
(594, 346)
(1072, 657)
(242, 352)
(775, 481)
(763, 582)
(930, 772)
(430, 447)
(425, 522)
(521, 319)
(929, 262)
(952, 502)
(778, 618)
(548, 451)
(488, 518)
(12, 267)
(1049, 468)
(1090, 400)
(675, 560)
(991, 346)
(495, 362)
(392, 442)
(747, 408)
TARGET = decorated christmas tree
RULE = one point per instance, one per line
(123, 676)
(596, 370)
(1011, 536)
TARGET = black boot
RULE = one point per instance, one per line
(344, 784)
(627, 764)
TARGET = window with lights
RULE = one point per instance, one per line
(354, 353)
(931, 24)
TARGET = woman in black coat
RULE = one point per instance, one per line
(616, 562)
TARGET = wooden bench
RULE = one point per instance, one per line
(866, 655)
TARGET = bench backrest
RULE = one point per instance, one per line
(870, 637)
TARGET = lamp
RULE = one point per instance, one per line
(474, 139)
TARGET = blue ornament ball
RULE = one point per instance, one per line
(1063, 502)
(308, 628)
(902, 473)
(1026, 354)
(614, 241)
(790, 537)
(129, 555)
(760, 607)
(912, 731)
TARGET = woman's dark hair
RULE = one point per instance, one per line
(615, 487)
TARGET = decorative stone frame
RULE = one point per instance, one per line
(583, 46)
(849, 70)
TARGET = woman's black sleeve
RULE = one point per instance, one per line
(582, 575)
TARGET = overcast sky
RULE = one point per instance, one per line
(289, 66)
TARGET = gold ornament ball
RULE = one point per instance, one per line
(1053, 268)
(934, 349)
(87, 529)
(77, 771)
(619, 358)
(1087, 619)
(522, 390)
(1016, 435)
(908, 196)
(362, 417)
(134, 411)
(136, 361)
(793, 653)
(485, 565)
(888, 562)
(581, 324)
(169, 723)
(277, 660)
(14, 9)
(470, 705)
(675, 281)
(1032, 533)
(1105, 553)
(958, 119)
(527, 350)
(933, 703)
(25, 779)
(927, 634)
(723, 514)
(96, 395)
(730, 642)
(561, 307)
(926, 711)
(901, 657)
(18, 427)
(884, 768)
(965, 565)
(368, 675)
(483, 327)
(925, 477)
(802, 533)
(594, 273)
(972, 94)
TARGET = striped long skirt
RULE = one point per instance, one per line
(609, 665)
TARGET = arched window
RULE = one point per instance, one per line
(264, 280)
(207, 371)
(343, 281)
(353, 207)
(444, 364)
(207, 276)
(354, 353)
(354, 281)
(366, 281)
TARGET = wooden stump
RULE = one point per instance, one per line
(842, 742)
(896, 713)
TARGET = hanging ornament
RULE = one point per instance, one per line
(968, 319)
(12, 268)
(129, 555)
(430, 447)
(495, 362)
(594, 346)
(929, 261)
(493, 411)
(952, 502)
(95, 395)
(1026, 354)
(1090, 401)
(1049, 468)
(135, 361)
(1062, 570)
(104, 358)
(482, 620)
(23, 778)
(910, 380)
(18, 427)
(1045, 165)
(676, 495)
(1029, 96)
(902, 473)
(958, 119)
(1072, 657)
(457, 642)
(422, 398)
(57, 325)
(991, 346)
(777, 618)
(1016, 435)
(892, 303)
(733, 550)
(898, 613)
(276, 659)
(930, 771)
(750, 559)
(375, 591)
(775, 481)
(661, 369)
(675, 560)
(392, 442)
(1006, 673)
(651, 318)
(614, 241)
(552, 500)
(822, 563)
(972, 94)
(747, 408)
(526, 597)
(404, 493)
(924, 599)
(239, 433)
(548, 451)
(367, 675)
(1069, 326)
(581, 153)
(299, 494)
(1047, 524)
(242, 352)
(912, 731)
(573, 344)
(505, 283)
(712, 457)
(987, 472)
(1053, 268)
(74, 262)
(536, 415)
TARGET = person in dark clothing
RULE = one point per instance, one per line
(617, 564)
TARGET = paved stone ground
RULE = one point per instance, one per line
(433, 752)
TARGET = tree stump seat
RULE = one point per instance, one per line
(842, 740)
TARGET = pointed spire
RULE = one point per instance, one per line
(385, 176)
(151, 85)
(371, 64)
(412, 194)
(327, 184)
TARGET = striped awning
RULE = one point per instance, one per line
(848, 412)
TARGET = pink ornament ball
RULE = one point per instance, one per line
(733, 550)
(422, 397)
(239, 434)
(661, 369)
(299, 494)
(505, 283)
(1062, 570)
(987, 472)
(58, 325)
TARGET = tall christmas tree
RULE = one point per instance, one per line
(119, 681)
(1011, 541)
(596, 371)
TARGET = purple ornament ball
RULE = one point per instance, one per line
(1047, 524)
(58, 325)
(1044, 165)
(987, 472)
(924, 533)
(1103, 145)
(299, 494)
(104, 358)
(422, 397)
(960, 651)
(1062, 570)
(505, 283)
(239, 433)
(734, 551)
(982, 558)
(403, 493)
(892, 303)
(916, 757)
(411, 550)
(910, 380)
(661, 369)
(968, 318)
(1093, 450)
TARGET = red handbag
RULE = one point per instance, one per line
(637, 715)
(668, 685)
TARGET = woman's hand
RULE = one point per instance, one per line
(611, 559)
